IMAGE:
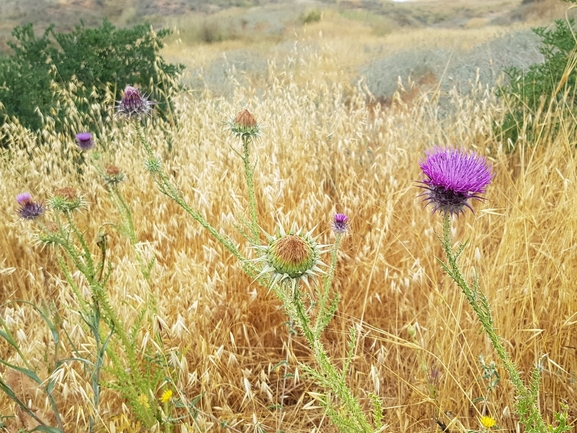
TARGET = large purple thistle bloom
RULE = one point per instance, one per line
(452, 178)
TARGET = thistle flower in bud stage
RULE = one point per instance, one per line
(340, 223)
(452, 178)
(65, 200)
(134, 104)
(244, 125)
(84, 140)
(113, 176)
(50, 234)
(291, 257)
(29, 209)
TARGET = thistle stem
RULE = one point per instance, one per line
(527, 404)
(249, 172)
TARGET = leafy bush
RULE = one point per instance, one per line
(51, 76)
(543, 85)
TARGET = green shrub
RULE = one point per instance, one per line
(51, 76)
(312, 16)
(543, 86)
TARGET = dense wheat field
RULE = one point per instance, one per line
(327, 146)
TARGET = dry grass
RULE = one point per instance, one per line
(326, 148)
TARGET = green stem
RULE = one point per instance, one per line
(532, 418)
(249, 172)
(166, 187)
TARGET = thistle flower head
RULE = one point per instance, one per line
(134, 104)
(65, 200)
(244, 125)
(452, 178)
(23, 198)
(50, 233)
(291, 257)
(340, 223)
(113, 176)
(84, 140)
(29, 209)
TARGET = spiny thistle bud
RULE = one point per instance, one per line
(113, 176)
(65, 200)
(84, 140)
(28, 210)
(245, 125)
(50, 233)
(340, 223)
(291, 257)
(153, 165)
(452, 178)
(134, 104)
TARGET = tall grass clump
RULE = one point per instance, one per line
(272, 269)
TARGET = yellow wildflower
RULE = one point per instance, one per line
(143, 400)
(487, 421)
(166, 396)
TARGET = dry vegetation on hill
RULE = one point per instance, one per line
(327, 146)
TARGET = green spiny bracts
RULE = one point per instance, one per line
(292, 257)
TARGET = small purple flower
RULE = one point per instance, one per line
(23, 198)
(453, 177)
(84, 140)
(29, 210)
(134, 104)
(340, 223)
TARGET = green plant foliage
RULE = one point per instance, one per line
(543, 84)
(51, 76)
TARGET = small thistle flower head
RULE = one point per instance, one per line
(113, 176)
(244, 125)
(29, 209)
(291, 257)
(50, 234)
(166, 396)
(340, 223)
(452, 178)
(487, 422)
(134, 104)
(65, 200)
(153, 165)
(84, 141)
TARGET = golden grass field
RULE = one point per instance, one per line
(326, 147)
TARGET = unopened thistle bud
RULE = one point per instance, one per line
(50, 233)
(292, 257)
(113, 176)
(84, 140)
(29, 209)
(65, 200)
(134, 104)
(245, 125)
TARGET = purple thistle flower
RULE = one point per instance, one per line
(23, 198)
(134, 104)
(340, 223)
(29, 210)
(453, 177)
(84, 140)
